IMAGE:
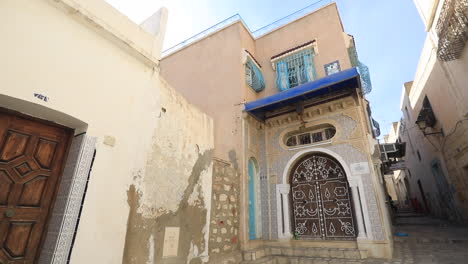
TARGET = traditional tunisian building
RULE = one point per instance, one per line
(296, 164)
(435, 114)
(93, 165)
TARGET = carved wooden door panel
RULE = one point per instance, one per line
(31, 162)
(321, 199)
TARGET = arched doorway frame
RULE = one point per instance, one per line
(355, 183)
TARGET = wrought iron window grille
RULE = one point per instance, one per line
(295, 69)
(452, 29)
(253, 74)
(313, 136)
(363, 69)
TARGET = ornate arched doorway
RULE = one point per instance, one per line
(321, 199)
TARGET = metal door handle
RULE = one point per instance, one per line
(9, 213)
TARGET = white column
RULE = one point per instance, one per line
(358, 213)
(282, 194)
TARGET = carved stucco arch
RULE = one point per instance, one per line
(287, 169)
(283, 216)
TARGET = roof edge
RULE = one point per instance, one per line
(232, 20)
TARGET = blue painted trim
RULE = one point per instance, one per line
(345, 79)
(252, 222)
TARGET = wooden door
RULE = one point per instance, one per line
(32, 154)
(321, 200)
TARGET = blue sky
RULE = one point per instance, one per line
(389, 34)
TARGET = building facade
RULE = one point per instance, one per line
(435, 114)
(98, 154)
(296, 162)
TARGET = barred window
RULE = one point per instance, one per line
(304, 139)
(253, 76)
(295, 70)
(291, 141)
(310, 136)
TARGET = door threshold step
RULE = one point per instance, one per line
(301, 260)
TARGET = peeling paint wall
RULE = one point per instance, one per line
(174, 190)
(100, 75)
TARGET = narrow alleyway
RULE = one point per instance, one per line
(429, 241)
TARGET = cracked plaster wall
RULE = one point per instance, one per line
(174, 189)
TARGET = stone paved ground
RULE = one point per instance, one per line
(426, 253)
(429, 241)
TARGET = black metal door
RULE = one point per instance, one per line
(321, 199)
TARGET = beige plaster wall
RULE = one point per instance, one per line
(445, 85)
(159, 167)
(323, 25)
(208, 73)
(213, 66)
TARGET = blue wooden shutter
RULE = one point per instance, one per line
(282, 76)
(309, 66)
(252, 220)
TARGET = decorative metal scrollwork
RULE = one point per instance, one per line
(321, 200)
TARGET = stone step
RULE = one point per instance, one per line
(300, 252)
(302, 260)
(264, 260)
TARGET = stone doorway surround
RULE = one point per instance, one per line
(355, 183)
(64, 217)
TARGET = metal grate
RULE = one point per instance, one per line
(295, 70)
(376, 127)
(253, 76)
(363, 69)
(452, 29)
(365, 78)
(353, 57)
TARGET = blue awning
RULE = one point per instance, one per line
(332, 83)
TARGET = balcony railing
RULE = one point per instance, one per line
(376, 126)
(363, 70)
(452, 29)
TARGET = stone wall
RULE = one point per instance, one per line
(455, 150)
(224, 227)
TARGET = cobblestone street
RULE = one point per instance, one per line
(429, 241)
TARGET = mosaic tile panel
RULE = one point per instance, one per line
(69, 197)
(278, 158)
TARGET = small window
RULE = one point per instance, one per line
(329, 133)
(291, 142)
(304, 139)
(253, 76)
(296, 69)
(309, 136)
(317, 137)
